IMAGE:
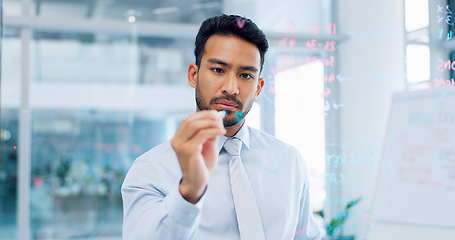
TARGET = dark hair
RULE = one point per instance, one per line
(230, 25)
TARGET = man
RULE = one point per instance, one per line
(220, 179)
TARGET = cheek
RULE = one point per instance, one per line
(251, 88)
(204, 86)
(209, 82)
(249, 94)
(208, 90)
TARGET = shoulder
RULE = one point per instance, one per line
(277, 152)
(160, 161)
(265, 141)
(157, 153)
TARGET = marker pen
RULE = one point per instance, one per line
(221, 114)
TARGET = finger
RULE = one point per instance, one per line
(202, 136)
(201, 114)
(185, 132)
(194, 122)
(194, 146)
(191, 128)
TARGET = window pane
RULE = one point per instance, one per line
(79, 160)
(417, 63)
(10, 95)
(300, 120)
(12, 7)
(416, 14)
(97, 103)
(100, 58)
(8, 172)
(11, 56)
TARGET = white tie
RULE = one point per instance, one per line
(248, 217)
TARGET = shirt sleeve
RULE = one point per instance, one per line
(151, 214)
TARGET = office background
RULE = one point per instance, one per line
(87, 86)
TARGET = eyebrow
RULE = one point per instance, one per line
(247, 68)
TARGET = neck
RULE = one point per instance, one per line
(232, 130)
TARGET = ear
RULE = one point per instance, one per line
(192, 74)
(259, 88)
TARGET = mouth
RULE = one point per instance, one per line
(226, 105)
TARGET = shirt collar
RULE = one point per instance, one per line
(242, 134)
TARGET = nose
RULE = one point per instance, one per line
(230, 85)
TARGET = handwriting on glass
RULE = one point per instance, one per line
(240, 22)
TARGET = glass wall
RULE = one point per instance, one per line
(88, 86)
(79, 159)
(9, 128)
(8, 173)
(97, 98)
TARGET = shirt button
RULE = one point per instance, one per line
(191, 215)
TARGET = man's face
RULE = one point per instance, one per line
(228, 77)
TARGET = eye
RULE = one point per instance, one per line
(246, 76)
(217, 70)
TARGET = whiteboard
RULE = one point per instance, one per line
(416, 181)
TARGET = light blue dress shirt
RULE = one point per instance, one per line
(154, 209)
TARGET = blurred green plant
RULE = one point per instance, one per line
(62, 170)
(339, 219)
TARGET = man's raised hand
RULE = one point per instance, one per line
(195, 144)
